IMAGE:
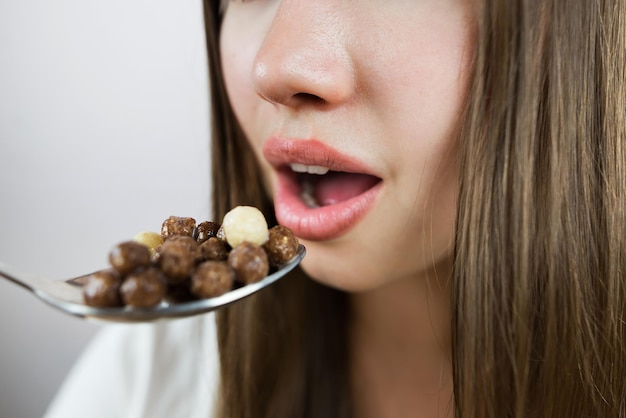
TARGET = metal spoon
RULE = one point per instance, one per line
(67, 296)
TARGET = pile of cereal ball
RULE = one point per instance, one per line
(187, 261)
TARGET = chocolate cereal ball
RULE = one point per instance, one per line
(206, 230)
(102, 289)
(176, 225)
(249, 262)
(177, 258)
(144, 289)
(214, 249)
(179, 292)
(212, 278)
(282, 245)
(129, 256)
(190, 244)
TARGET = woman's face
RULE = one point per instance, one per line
(352, 109)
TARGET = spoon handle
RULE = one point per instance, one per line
(28, 281)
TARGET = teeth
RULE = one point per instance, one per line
(310, 169)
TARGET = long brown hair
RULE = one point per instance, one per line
(539, 288)
(540, 274)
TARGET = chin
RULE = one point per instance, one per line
(334, 268)
(352, 267)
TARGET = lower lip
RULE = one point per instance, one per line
(323, 223)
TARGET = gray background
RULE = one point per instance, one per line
(103, 133)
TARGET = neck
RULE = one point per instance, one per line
(400, 348)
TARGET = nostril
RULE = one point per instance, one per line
(308, 97)
(291, 97)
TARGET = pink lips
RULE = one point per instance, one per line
(321, 223)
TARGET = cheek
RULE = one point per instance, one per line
(238, 50)
(237, 56)
(236, 69)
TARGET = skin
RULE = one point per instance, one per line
(383, 83)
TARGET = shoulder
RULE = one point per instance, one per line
(164, 369)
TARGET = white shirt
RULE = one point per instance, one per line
(167, 369)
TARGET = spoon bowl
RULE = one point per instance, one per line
(67, 296)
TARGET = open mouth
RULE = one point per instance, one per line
(320, 193)
(319, 186)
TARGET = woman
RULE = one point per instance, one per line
(524, 299)
(456, 170)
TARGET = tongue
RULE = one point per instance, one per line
(336, 187)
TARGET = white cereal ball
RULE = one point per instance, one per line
(150, 239)
(245, 223)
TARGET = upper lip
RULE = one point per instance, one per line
(282, 152)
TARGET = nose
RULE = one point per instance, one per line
(304, 59)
